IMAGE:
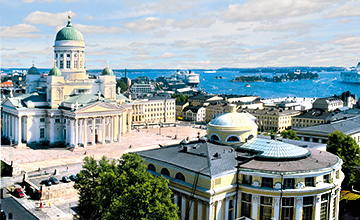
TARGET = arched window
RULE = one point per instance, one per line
(165, 172)
(180, 176)
(214, 137)
(232, 139)
(151, 167)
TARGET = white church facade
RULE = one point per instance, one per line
(67, 106)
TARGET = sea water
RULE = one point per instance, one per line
(328, 84)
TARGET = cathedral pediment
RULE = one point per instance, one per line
(99, 107)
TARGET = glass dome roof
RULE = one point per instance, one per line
(273, 149)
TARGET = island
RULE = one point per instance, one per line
(278, 78)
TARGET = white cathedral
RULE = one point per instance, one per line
(67, 106)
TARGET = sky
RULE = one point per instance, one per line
(188, 34)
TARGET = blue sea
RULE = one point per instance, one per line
(327, 84)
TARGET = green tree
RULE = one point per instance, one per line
(347, 149)
(122, 190)
(289, 134)
(180, 97)
(122, 86)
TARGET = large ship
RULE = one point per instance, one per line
(188, 77)
(351, 75)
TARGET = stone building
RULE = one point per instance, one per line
(67, 107)
(236, 174)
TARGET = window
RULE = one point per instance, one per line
(231, 209)
(165, 172)
(267, 182)
(151, 167)
(308, 203)
(287, 210)
(309, 181)
(246, 179)
(265, 208)
(68, 64)
(42, 119)
(42, 132)
(61, 55)
(246, 205)
(68, 55)
(56, 55)
(76, 64)
(61, 64)
(233, 139)
(57, 120)
(327, 178)
(214, 137)
(324, 207)
(289, 183)
(180, 176)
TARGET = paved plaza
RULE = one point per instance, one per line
(31, 159)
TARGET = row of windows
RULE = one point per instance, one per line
(166, 172)
(287, 207)
(288, 183)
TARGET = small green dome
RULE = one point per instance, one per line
(107, 71)
(69, 33)
(33, 71)
(55, 71)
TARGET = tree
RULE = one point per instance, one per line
(347, 149)
(122, 86)
(122, 190)
(180, 97)
(289, 134)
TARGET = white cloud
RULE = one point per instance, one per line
(19, 31)
(147, 24)
(49, 19)
(91, 29)
(31, 1)
(167, 55)
(297, 27)
(255, 10)
(345, 11)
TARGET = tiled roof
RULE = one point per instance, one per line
(207, 158)
(347, 126)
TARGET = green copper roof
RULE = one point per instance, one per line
(33, 71)
(107, 71)
(69, 33)
(55, 72)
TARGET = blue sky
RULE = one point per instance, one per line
(185, 34)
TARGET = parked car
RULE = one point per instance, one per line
(73, 177)
(65, 179)
(54, 180)
(19, 193)
(46, 182)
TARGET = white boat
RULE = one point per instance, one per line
(210, 71)
(351, 75)
(188, 77)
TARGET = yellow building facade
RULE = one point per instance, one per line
(256, 178)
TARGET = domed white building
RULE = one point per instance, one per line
(67, 106)
(236, 174)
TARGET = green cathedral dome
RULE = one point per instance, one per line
(107, 71)
(33, 71)
(69, 33)
(55, 71)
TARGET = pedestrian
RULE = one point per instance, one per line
(49, 204)
(41, 205)
(67, 169)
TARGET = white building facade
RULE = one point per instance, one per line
(67, 107)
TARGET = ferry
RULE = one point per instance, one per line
(188, 77)
(351, 75)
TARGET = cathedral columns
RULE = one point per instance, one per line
(119, 128)
(255, 205)
(51, 130)
(103, 130)
(76, 132)
(86, 132)
(93, 132)
(111, 129)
